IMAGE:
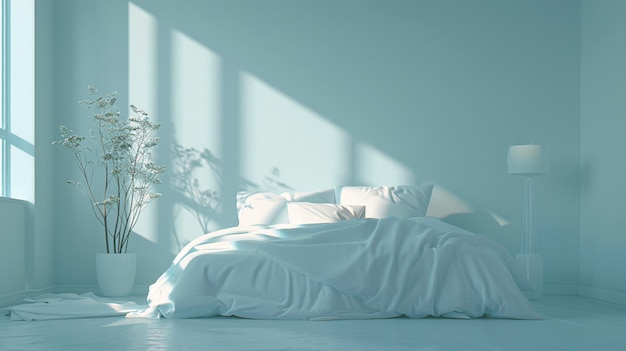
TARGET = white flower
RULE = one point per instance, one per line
(120, 150)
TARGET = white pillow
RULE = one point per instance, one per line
(269, 208)
(386, 201)
(308, 212)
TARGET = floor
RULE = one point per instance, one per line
(571, 323)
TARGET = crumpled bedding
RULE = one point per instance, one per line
(69, 306)
(357, 269)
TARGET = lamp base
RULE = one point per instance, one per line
(532, 268)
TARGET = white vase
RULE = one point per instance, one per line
(116, 273)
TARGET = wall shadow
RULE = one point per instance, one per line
(362, 81)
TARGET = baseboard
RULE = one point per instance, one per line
(560, 290)
(603, 295)
(17, 297)
(81, 289)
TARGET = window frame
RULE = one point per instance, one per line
(17, 153)
(5, 120)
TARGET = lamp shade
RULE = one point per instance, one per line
(526, 160)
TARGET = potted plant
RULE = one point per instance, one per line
(116, 176)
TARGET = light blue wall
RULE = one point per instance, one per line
(603, 122)
(41, 242)
(13, 250)
(331, 92)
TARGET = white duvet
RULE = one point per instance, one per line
(368, 268)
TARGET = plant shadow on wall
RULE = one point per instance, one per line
(202, 203)
(270, 183)
(195, 178)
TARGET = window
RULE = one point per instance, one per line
(17, 150)
(5, 78)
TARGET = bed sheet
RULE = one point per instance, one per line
(357, 269)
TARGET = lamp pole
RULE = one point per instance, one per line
(529, 238)
(527, 161)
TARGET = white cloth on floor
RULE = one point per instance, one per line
(69, 305)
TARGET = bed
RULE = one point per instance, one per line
(344, 253)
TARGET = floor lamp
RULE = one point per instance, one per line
(527, 161)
